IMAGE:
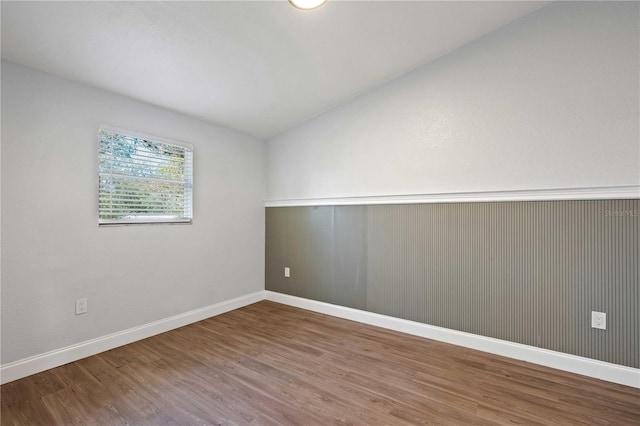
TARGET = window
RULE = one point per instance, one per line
(143, 179)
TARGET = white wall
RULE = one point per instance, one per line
(550, 101)
(53, 250)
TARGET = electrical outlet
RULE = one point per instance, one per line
(81, 306)
(287, 272)
(598, 320)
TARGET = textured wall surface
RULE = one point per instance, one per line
(549, 101)
(526, 272)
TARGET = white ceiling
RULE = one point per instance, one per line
(258, 67)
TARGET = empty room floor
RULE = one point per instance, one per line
(269, 364)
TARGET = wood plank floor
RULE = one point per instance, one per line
(271, 364)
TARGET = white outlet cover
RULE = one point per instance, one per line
(599, 320)
(81, 306)
(287, 272)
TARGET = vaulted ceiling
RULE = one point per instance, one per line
(259, 67)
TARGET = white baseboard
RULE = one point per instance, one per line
(28, 366)
(571, 363)
(543, 194)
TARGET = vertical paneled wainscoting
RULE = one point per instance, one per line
(529, 272)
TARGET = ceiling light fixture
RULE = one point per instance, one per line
(307, 4)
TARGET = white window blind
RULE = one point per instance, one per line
(143, 179)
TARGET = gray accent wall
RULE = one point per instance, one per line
(526, 272)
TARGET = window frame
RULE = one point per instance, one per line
(141, 220)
